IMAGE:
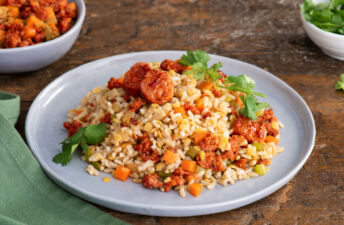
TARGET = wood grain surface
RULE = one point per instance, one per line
(267, 33)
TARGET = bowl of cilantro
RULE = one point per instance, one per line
(323, 21)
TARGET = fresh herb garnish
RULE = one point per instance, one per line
(241, 83)
(197, 62)
(251, 106)
(340, 84)
(326, 16)
(92, 135)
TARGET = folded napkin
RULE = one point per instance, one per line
(27, 195)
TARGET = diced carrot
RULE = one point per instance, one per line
(13, 10)
(29, 32)
(180, 110)
(195, 189)
(271, 139)
(200, 104)
(191, 177)
(77, 112)
(188, 165)
(238, 100)
(34, 22)
(199, 136)
(51, 17)
(71, 10)
(170, 157)
(121, 173)
(206, 85)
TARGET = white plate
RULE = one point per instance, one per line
(44, 132)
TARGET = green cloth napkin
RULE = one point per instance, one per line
(27, 195)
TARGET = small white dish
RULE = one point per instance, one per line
(44, 132)
(38, 56)
(330, 43)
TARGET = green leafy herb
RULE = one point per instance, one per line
(241, 83)
(198, 62)
(92, 135)
(197, 56)
(326, 16)
(340, 84)
(252, 106)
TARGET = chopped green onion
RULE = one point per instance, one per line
(260, 169)
(163, 175)
(259, 146)
(193, 152)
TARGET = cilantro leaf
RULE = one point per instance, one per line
(92, 135)
(340, 84)
(198, 71)
(197, 56)
(212, 71)
(66, 155)
(241, 83)
(327, 16)
(198, 62)
(251, 106)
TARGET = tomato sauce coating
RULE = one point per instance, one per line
(133, 78)
(168, 64)
(157, 87)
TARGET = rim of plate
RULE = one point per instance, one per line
(176, 208)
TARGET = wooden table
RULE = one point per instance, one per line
(267, 33)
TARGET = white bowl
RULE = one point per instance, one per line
(38, 56)
(330, 43)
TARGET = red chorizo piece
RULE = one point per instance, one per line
(150, 155)
(144, 148)
(72, 127)
(266, 162)
(253, 131)
(133, 121)
(216, 93)
(115, 83)
(211, 161)
(241, 163)
(209, 142)
(152, 181)
(16, 3)
(266, 119)
(192, 108)
(106, 118)
(136, 104)
(218, 165)
(234, 151)
(65, 24)
(175, 181)
(157, 87)
(207, 162)
(168, 64)
(133, 78)
(40, 36)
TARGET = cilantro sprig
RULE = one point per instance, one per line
(197, 61)
(327, 16)
(340, 84)
(251, 106)
(91, 135)
(241, 83)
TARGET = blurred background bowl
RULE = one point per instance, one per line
(330, 43)
(35, 57)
